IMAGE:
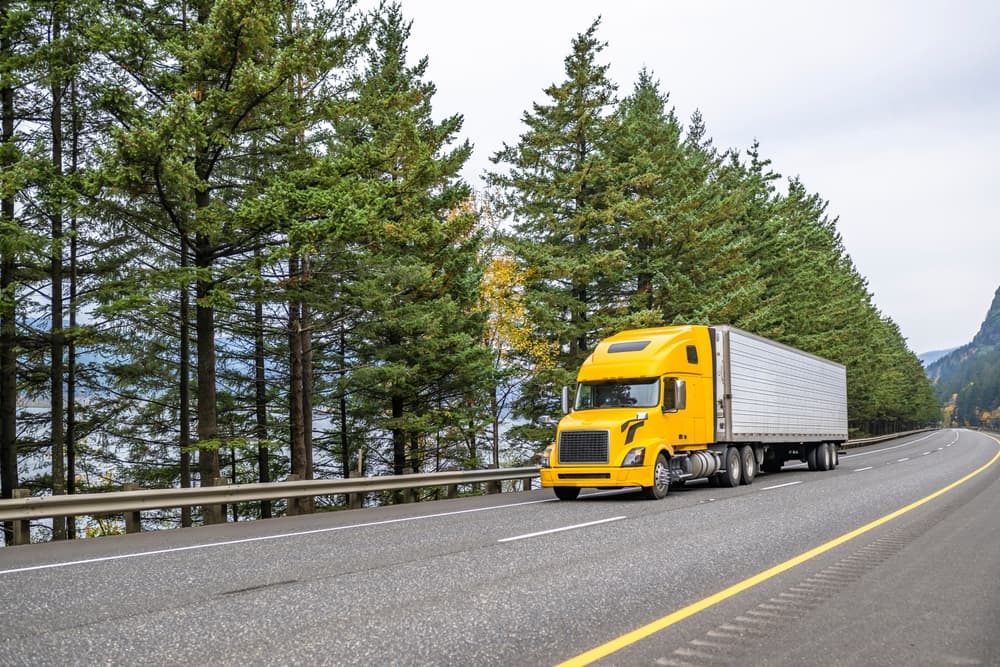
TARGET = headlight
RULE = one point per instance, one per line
(546, 455)
(635, 457)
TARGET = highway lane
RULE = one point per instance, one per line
(445, 583)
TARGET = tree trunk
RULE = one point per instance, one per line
(75, 130)
(295, 393)
(398, 437)
(184, 385)
(495, 413)
(208, 451)
(398, 444)
(260, 392)
(8, 331)
(578, 318)
(56, 370)
(305, 341)
(71, 370)
(345, 454)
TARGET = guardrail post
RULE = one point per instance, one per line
(212, 513)
(355, 500)
(133, 521)
(453, 490)
(22, 527)
(292, 504)
(494, 487)
(527, 483)
(408, 494)
(218, 511)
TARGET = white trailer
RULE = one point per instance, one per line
(770, 393)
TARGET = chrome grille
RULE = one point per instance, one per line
(583, 447)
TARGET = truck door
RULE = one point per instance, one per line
(675, 412)
(683, 403)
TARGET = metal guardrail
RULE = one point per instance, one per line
(34, 507)
(21, 509)
(861, 442)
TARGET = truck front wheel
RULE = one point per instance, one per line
(566, 492)
(661, 480)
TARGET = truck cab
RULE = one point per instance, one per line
(641, 397)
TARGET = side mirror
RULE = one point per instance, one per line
(674, 395)
(546, 421)
(565, 400)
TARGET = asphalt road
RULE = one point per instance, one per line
(801, 567)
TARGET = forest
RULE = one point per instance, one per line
(235, 243)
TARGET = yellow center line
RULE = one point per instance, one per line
(639, 634)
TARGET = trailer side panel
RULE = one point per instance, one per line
(773, 393)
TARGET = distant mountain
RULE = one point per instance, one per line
(967, 379)
(928, 358)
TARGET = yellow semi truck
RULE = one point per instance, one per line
(655, 407)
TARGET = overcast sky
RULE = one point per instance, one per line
(888, 110)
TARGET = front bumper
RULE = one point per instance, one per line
(597, 477)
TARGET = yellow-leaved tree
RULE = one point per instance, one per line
(517, 351)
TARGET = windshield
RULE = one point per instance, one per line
(621, 394)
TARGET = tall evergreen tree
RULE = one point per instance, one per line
(685, 257)
(411, 272)
(12, 242)
(560, 192)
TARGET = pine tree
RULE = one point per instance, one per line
(559, 190)
(14, 240)
(685, 257)
(411, 271)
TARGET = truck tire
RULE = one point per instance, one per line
(566, 492)
(824, 459)
(812, 456)
(661, 480)
(748, 465)
(731, 476)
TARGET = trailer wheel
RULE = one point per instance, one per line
(730, 477)
(566, 492)
(825, 458)
(812, 457)
(836, 454)
(661, 480)
(748, 464)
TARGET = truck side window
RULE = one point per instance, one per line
(692, 354)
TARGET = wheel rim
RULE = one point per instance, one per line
(749, 465)
(661, 475)
(735, 466)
